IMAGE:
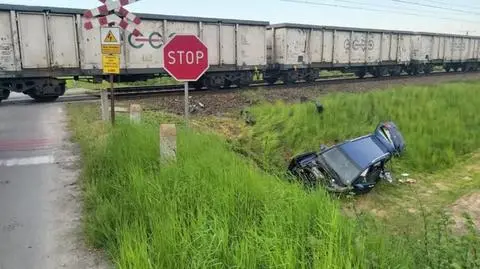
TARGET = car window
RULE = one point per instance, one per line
(346, 170)
(363, 151)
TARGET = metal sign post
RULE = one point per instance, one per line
(112, 101)
(111, 50)
(187, 105)
(185, 59)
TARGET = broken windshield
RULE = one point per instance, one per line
(346, 169)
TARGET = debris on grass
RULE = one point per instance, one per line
(319, 106)
(408, 181)
(248, 117)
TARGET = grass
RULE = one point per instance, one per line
(440, 124)
(215, 209)
(86, 83)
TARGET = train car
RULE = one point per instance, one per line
(298, 52)
(39, 45)
(453, 52)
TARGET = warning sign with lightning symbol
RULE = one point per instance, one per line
(110, 37)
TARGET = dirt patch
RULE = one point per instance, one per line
(233, 101)
(469, 204)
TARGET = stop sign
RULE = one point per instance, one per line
(185, 57)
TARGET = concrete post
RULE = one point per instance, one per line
(135, 113)
(168, 143)
(104, 105)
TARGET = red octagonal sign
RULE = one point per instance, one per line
(185, 57)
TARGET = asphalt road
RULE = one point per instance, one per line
(40, 212)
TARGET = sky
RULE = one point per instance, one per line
(439, 16)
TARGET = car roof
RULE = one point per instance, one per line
(364, 151)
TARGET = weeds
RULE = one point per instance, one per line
(215, 209)
(212, 209)
(439, 123)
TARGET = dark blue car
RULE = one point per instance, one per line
(353, 166)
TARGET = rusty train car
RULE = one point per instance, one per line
(40, 45)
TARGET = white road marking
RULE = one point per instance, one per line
(47, 159)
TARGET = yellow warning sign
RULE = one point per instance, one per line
(110, 38)
(110, 35)
(111, 64)
(111, 49)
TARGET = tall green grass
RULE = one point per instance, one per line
(440, 124)
(214, 209)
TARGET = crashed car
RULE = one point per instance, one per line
(355, 165)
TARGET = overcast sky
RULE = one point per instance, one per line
(460, 16)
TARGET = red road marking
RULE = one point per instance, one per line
(25, 144)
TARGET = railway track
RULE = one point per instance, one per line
(165, 90)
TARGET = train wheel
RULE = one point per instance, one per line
(428, 69)
(198, 85)
(467, 68)
(245, 79)
(227, 83)
(4, 95)
(413, 70)
(42, 98)
(396, 71)
(360, 74)
(289, 77)
(312, 76)
(215, 81)
(380, 72)
(271, 80)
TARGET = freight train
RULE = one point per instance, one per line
(40, 45)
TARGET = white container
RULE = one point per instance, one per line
(297, 45)
(52, 42)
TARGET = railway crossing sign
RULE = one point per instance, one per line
(185, 58)
(110, 13)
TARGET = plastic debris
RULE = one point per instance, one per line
(408, 181)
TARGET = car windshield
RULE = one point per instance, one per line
(339, 162)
